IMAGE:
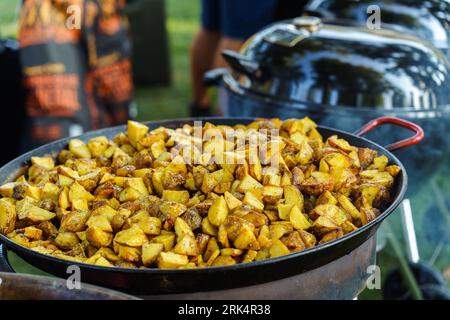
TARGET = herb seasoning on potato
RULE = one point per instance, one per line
(195, 196)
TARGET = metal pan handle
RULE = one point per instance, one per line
(418, 137)
(241, 63)
(4, 264)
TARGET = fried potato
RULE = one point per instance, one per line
(98, 238)
(218, 212)
(79, 149)
(137, 201)
(170, 260)
(136, 131)
(132, 237)
(8, 216)
(150, 252)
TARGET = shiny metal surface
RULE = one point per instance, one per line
(427, 19)
(343, 278)
(342, 66)
(30, 287)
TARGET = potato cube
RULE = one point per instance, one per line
(213, 257)
(298, 220)
(208, 227)
(79, 149)
(130, 254)
(211, 248)
(293, 196)
(277, 230)
(80, 205)
(250, 256)
(231, 252)
(46, 163)
(278, 249)
(351, 209)
(75, 221)
(137, 184)
(32, 233)
(108, 254)
(7, 190)
(132, 237)
(176, 196)
(35, 215)
(99, 221)
(223, 261)
(98, 238)
(7, 216)
(103, 262)
(284, 211)
(66, 240)
(150, 225)
(168, 240)
(251, 200)
(218, 212)
(249, 183)
(98, 145)
(182, 228)
(170, 260)
(150, 252)
(77, 191)
(186, 246)
(255, 167)
(246, 240)
(136, 131)
(272, 194)
(232, 201)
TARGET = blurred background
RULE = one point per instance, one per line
(181, 19)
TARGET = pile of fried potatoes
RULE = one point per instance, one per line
(132, 203)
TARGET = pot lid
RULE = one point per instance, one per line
(427, 19)
(305, 60)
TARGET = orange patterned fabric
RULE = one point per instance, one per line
(76, 66)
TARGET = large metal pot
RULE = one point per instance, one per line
(427, 19)
(342, 76)
(152, 282)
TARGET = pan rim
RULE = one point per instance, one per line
(231, 268)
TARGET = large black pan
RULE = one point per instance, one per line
(157, 281)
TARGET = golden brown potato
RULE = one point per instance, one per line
(132, 237)
(75, 221)
(136, 132)
(7, 216)
(170, 260)
(98, 238)
(186, 245)
(137, 200)
(166, 239)
(278, 249)
(79, 149)
(150, 252)
(218, 212)
(66, 240)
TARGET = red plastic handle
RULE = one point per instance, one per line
(418, 137)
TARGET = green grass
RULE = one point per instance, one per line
(8, 18)
(171, 102)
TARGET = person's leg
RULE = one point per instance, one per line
(202, 55)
